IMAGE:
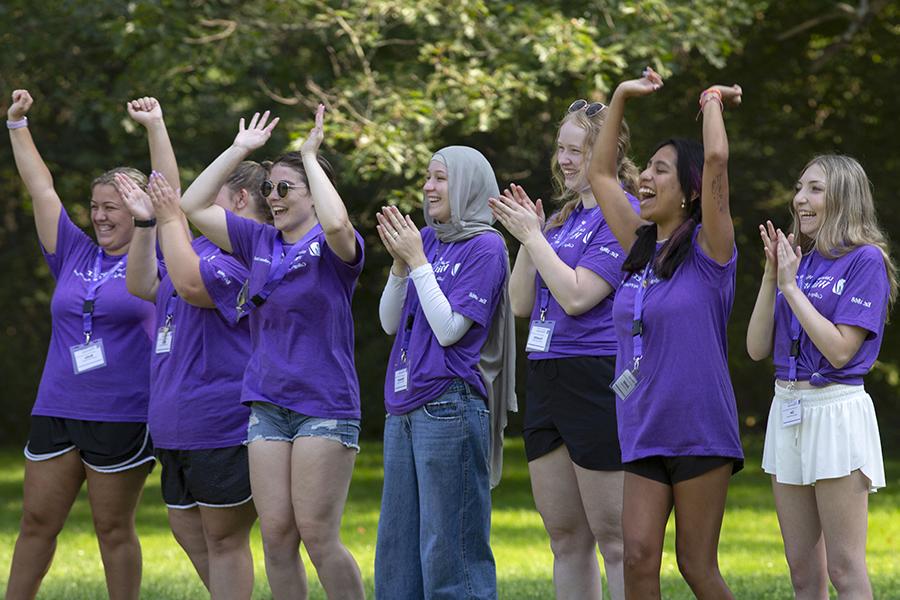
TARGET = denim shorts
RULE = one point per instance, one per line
(276, 424)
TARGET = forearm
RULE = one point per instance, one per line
(603, 176)
(142, 274)
(718, 229)
(448, 326)
(521, 284)
(390, 307)
(828, 339)
(183, 264)
(761, 329)
(162, 155)
(202, 192)
(563, 281)
(330, 210)
(39, 183)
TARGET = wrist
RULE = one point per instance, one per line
(417, 261)
(14, 123)
(146, 223)
(398, 269)
(532, 239)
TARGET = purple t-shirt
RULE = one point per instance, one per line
(472, 274)
(301, 338)
(584, 240)
(195, 391)
(119, 391)
(684, 403)
(850, 290)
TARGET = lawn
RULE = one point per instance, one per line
(750, 552)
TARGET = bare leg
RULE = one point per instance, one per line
(844, 510)
(187, 527)
(601, 495)
(804, 546)
(646, 505)
(50, 489)
(228, 540)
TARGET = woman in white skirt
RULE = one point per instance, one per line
(821, 309)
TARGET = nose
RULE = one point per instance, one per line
(429, 185)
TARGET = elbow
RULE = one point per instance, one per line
(756, 354)
(715, 156)
(839, 360)
(574, 307)
(444, 340)
(193, 293)
(341, 227)
(520, 309)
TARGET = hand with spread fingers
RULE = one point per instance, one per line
(516, 213)
(165, 200)
(256, 134)
(788, 257)
(770, 247)
(312, 142)
(135, 199)
(401, 237)
(145, 110)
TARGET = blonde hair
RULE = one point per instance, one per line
(109, 178)
(628, 172)
(849, 220)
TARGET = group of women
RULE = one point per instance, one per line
(233, 353)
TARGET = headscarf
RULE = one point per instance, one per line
(471, 182)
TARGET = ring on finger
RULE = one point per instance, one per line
(395, 235)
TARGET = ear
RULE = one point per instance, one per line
(241, 199)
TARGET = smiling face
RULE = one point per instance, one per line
(437, 192)
(660, 191)
(295, 211)
(112, 222)
(809, 200)
(570, 156)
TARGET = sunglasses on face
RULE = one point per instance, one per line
(282, 187)
(590, 109)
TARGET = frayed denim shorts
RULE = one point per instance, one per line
(273, 423)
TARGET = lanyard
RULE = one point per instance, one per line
(170, 309)
(637, 323)
(87, 308)
(795, 324)
(279, 267)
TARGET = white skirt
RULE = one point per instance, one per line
(837, 435)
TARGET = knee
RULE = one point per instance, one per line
(226, 542)
(569, 539)
(36, 524)
(696, 570)
(807, 576)
(319, 539)
(281, 540)
(846, 572)
(608, 534)
(114, 529)
(641, 558)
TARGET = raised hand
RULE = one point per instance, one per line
(770, 248)
(21, 102)
(649, 82)
(400, 237)
(144, 110)
(256, 134)
(731, 94)
(788, 261)
(312, 142)
(517, 194)
(135, 199)
(165, 200)
(521, 220)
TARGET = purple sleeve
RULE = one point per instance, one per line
(243, 235)
(711, 271)
(864, 297)
(349, 271)
(69, 239)
(604, 256)
(474, 290)
(223, 275)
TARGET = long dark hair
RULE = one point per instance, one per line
(689, 168)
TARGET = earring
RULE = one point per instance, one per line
(683, 205)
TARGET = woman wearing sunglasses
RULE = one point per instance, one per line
(195, 416)
(300, 382)
(450, 381)
(565, 278)
(676, 410)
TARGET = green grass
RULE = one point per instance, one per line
(751, 553)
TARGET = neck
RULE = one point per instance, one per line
(665, 230)
(117, 252)
(296, 234)
(587, 199)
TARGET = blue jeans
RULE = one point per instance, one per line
(435, 525)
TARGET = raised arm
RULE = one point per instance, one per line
(142, 274)
(197, 201)
(330, 209)
(34, 173)
(837, 343)
(603, 170)
(577, 290)
(717, 236)
(182, 262)
(148, 112)
(761, 329)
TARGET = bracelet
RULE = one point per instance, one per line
(706, 96)
(151, 222)
(23, 122)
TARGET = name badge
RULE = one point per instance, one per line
(164, 339)
(624, 384)
(539, 336)
(791, 413)
(87, 357)
(401, 379)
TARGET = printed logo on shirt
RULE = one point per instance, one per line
(861, 302)
(610, 251)
(262, 259)
(88, 275)
(441, 266)
(477, 298)
(220, 274)
(455, 269)
(822, 282)
(315, 249)
(839, 287)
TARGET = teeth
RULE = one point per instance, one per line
(646, 192)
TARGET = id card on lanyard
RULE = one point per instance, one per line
(278, 269)
(165, 333)
(90, 355)
(628, 380)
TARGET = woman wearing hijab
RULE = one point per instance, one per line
(449, 384)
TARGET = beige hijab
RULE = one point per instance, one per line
(471, 181)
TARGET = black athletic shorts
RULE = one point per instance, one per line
(569, 402)
(675, 469)
(218, 478)
(106, 447)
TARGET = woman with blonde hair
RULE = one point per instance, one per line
(821, 309)
(565, 278)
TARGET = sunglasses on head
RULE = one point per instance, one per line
(590, 109)
(282, 187)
